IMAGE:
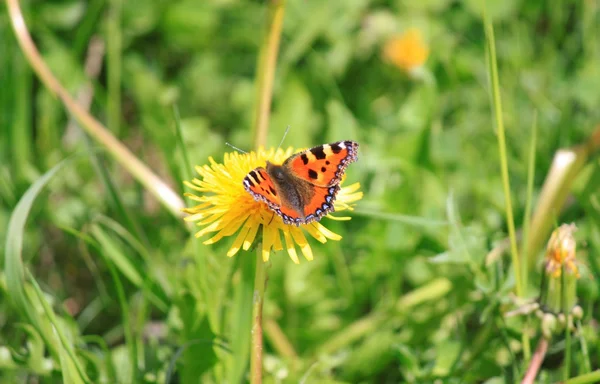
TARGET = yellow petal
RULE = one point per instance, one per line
(301, 241)
(251, 235)
(268, 238)
(289, 243)
(327, 233)
(239, 239)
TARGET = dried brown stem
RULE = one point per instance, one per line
(163, 192)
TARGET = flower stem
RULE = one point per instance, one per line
(260, 283)
(265, 72)
(536, 362)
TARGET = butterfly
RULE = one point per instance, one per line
(304, 187)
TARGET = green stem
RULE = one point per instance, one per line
(493, 66)
(489, 31)
(527, 219)
(584, 348)
(258, 299)
(588, 378)
(113, 57)
(567, 312)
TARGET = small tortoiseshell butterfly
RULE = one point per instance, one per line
(304, 187)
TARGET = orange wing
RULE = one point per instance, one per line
(290, 216)
(321, 203)
(261, 187)
(259, 184)
(323, 165)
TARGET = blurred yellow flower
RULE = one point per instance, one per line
(225, 208)
(561, 251)
(406, 51)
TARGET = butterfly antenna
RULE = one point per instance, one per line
(236, 148)
(284, 135)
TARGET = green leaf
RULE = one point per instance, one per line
(200, 341)
(447, 352)
(47, 326)
(241, 320)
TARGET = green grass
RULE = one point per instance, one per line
(102, 281)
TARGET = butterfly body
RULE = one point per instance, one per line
(304, 187)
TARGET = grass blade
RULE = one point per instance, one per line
(16, 284)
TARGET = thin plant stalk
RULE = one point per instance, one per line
(536, 362)
(265, 74)
(497, 104)
(256, 353)
(114, 59)
(584, 348)
(588, 378)
(527, 219)
(278, 340)
(566, 311)
(154, 184)
(500, 134)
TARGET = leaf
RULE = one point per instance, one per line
(409, 363)
(200, 341)
(47, 326)
(240, 321)
(447, 353)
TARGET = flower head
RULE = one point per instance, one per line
(225, 208)
(558, 293)
(561, 251)
(407, 51)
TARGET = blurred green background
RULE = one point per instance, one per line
(405, 296)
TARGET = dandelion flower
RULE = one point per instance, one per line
(407, 51)
(561, 251)
(226, 209)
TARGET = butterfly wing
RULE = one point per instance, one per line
(320, 203)
(261, 187)
(304, 188)
(324, 165)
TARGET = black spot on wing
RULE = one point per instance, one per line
(255, 177)
(304, 158)
(312, 174)
(323, 169)
(336, 148)
(318, 152)
(274, 192)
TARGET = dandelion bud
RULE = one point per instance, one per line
(558, 293)
(577, 312)
(548, 325)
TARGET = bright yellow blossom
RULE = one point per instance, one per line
(225, 208)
